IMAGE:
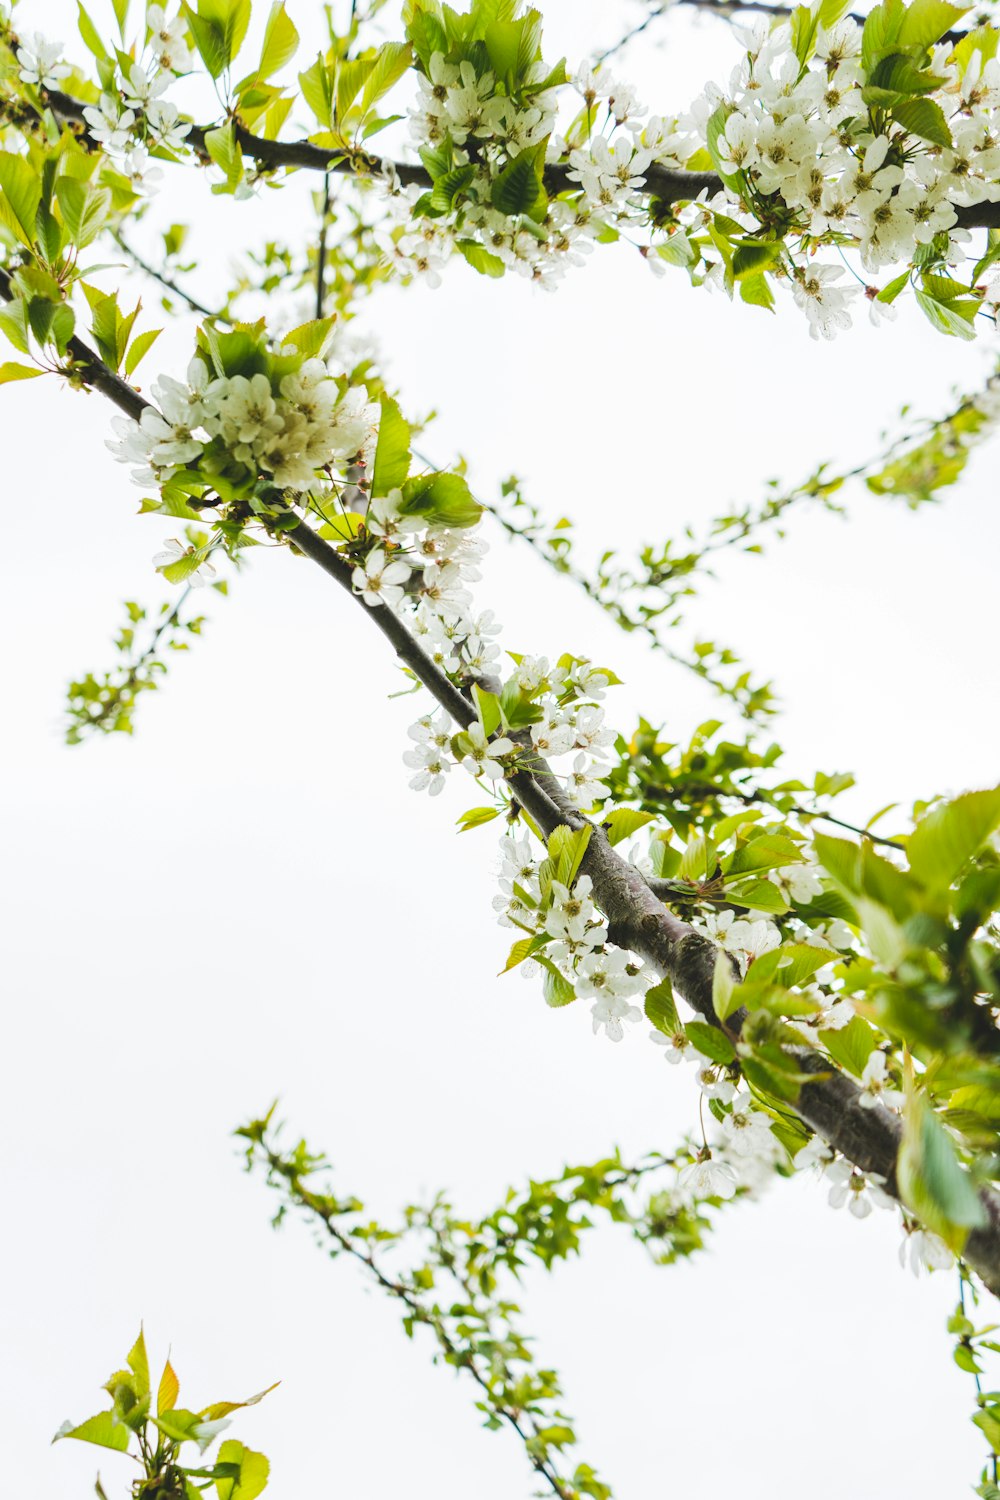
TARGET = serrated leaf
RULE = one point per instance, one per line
(254, 1470)
(661, 1010)
(556, 988)
(923, 118)
(518, 187)
(21, 187)
(103, 1430)
(168, 1391)
(281, 41)
(623, 822)
(13, 371)
(392, 453)
(931, 1179)
(476, 817)
(139, 348)
(948, 836)
(391, 63)
(925, 22)
(725, 999)
(710, 1042)
(481, 259)
(443, 499)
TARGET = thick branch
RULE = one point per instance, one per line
(661, 183)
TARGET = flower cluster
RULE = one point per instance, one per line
(132, 118)
(799, 153)
(479, 132)
(280, 428)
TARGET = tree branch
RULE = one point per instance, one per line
(664, 184)
(637, 920)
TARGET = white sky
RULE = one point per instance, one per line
(246, 901)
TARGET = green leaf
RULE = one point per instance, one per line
(85, 209)
(103, 1430)
(661, 1010)
(567, 846)
(953, 318)
(556, 989)
(138, 1363)
(757, 291)
(488, 708)
(140, 346)
(931, 1179)
(168, 1391)
(281, 41)
(476, 817)
(254, 1470)
(710, 1042)
(623, 822)
(352, 74)
(316, 84)
(443, 499)
(391, 63)
(449, 185)
(948, 836)
(13, 371)
(120, 8)
(22, 193)
(224, 149)
(392, 455)
(751, 257)
(503, 40)
(90, 35)
(881, 33)
(725, 998)
(311, 338)
(923, 118)
(925, 22)
(481, 259)
(210, 41)
(518, 189)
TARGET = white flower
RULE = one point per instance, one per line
(610, 1011)
(174, 552)
(824, 304)
(875, 1083)
(431, 767)
(708, 1179)
(677, 1045)
(852, 1187)
(140, 86)
(581, 783)
(611, 973)
(801, 882)
(40, 63)
(748, 1129)
(572, 911)
(167, 40)
(815, 1153)
(483, 757)
(379, 581)
(714, 1084)
(163, 119)
(925, 1251)
(108, 123)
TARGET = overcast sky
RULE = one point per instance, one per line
(245, 901)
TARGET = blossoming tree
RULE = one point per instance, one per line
(834, 989)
